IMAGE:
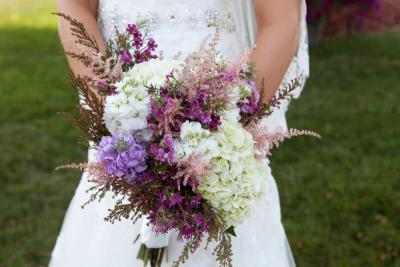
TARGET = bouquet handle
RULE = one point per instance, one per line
(154, 256)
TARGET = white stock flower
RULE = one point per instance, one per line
(127, 110)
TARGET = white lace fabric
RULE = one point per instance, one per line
(178, 26)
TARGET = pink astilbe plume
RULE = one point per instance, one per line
(95, 171)
(106, 71)
(202, 71)
(265, 141)
(191, 170)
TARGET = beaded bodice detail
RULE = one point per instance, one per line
(178, 25)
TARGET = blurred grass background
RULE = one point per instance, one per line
(340, 196)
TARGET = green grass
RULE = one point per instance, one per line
(340, 196)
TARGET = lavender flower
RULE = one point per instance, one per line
(122, 156)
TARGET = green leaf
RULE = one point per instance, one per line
(231, 231)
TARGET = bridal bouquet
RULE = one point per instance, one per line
(180, 143)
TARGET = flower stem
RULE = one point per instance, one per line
(152, 255)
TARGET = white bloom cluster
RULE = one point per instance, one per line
(154, 71)
(237, 180)
(241, 91)
(126, 111)
(194, 139)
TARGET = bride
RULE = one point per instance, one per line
(279, 31)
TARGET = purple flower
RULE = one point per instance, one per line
(151, 44)
(132, 29)
(195, 201)
(176, 199)
(126, 57)
(122, 156)
(198, 218)
(198, 111)
(230, 76)
(250, 105)
(139, 58)
(164, 152)
(137, 40)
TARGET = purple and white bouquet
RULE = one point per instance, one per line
(180, 143)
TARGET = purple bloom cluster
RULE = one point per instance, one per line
(164, 152)
(197, 110)
(166, 115)
(251, 105)
(122, 156)
(126, 57)
(134, 31)
(143, 49)
(188, 218)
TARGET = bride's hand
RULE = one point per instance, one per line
(278, 31)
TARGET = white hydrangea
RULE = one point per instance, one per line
(154, 71)
(238, 180)
(194, 139)
(235, 187)
(234, 142)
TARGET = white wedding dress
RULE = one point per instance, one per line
(86, 240)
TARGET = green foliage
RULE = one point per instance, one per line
(340, 196)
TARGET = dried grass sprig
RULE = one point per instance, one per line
(275, 139)
(217, 233)
(223, 250)
(265, 141)
(79, 31)
(90, 119)
(95, 171)
(106, 68)
(189, 248)
(283, 94)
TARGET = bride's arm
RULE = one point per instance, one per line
(84, 11)
(278, 30)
